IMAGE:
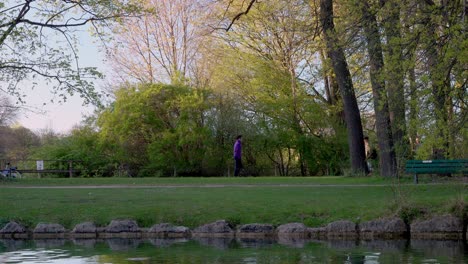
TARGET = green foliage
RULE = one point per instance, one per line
(267, 109)
(409, 213)
(81, 147)
(459, 208)
(38, 44)
(267, 80)
(156, 129)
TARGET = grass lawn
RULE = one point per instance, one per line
(341, 180)
(314, 201)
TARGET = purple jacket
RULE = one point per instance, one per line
(237, 149)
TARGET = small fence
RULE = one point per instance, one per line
(76, 168)
(40, 167)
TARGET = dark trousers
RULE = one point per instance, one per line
(237, 166)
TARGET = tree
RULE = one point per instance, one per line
(384, 132)
(443, 50)
(343, 77)
(280, 32)
(160, 46)
(395, 75)
(81, 146)
(261, 94)
(405, 90)
(17, 143)
(435, 38)
(8, 111)
(156, 129)
(38, 43)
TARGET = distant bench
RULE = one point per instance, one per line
(435, 167)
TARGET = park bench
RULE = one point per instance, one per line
(435, 167)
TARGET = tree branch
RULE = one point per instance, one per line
(15, 22)
(238, 16)
(66, 25)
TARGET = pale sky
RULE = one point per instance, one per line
(58, 117)
(62, 117)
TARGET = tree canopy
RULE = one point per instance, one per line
(38, 43)
(303, 81)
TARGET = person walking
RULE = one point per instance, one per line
(238, 155)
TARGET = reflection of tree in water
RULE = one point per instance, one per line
(451, 250)
(11, 244)
(214, 251)
(216, 242)
(256, 242)
(50, 243)
(123, 244)
(166, 242)
(86, 243)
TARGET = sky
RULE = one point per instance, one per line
(62, 117)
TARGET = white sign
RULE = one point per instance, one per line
(40, 164)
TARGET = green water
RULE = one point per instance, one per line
(116, 251)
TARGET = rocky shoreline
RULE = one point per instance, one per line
(445, 227)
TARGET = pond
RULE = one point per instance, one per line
(219, 250)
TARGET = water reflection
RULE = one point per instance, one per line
(397, 245)
(166, 242)
(295, 242)
(50, 243)
(434, 249)
(229, 250)
(85, 243)
(123, 244)
(256, 242)
(216, 242)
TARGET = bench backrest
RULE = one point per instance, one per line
(436, 166)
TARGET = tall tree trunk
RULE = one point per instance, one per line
(387, 160)
(395, 77)
(408, 30)
(343, 77)
(296, 118)
(331, 89)
(413, 110)
(439, 89)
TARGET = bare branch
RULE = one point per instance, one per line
(67, 25)
(238, 16)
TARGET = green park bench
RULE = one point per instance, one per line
(435, 167)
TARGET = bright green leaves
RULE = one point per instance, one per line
(158, 128)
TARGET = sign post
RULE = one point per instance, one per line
(39, 167)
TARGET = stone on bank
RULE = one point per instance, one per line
(122, 228)
(166, 230)
(84, 230)
(387, 228)
(13, 230)
(49, 230)
(342, 230)
(220, 228)
(255, 230)
(438, 227)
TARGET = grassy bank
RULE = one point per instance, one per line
(266, 202)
